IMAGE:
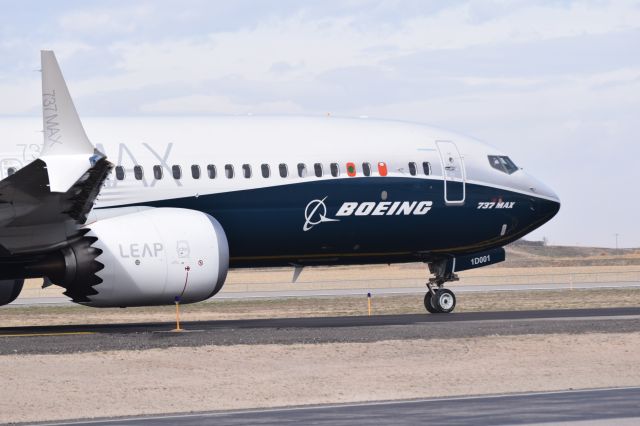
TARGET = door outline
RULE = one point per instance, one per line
(450, 164)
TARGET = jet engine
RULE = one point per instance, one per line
(149, 257)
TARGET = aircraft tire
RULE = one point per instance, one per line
(428, 305)
(444, 300)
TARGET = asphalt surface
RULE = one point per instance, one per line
(595, 407)
(89, 338)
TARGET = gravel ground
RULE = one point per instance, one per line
(228, 368)
(116, 383)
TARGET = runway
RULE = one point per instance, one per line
(593, 407)
(89, 338)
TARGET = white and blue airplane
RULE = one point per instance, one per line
(155, 211)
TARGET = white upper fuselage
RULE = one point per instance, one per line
(255, 140)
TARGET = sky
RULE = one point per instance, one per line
(555, 84)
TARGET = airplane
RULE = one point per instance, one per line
(158, 210)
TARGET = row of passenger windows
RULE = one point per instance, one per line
(265, 170)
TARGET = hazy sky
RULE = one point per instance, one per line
(556, 84)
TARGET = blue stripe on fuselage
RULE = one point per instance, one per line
(265, 226)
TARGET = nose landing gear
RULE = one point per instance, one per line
(440, 300)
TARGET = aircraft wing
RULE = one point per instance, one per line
(43, 204)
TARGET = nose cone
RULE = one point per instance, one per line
(549, 208)
(539, 188)
(548, 200)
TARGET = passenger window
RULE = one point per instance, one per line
(119, 172)
(426, 167)
(138, 173)
(195, 171)
(246, 170)
(211, 171)
(284, 172)
(317, 168)
(228, 171)
(302, 170)
(366, 169)
(157, 172)
(412, 169)
(176, 171)
(335, 170)
(266, 171)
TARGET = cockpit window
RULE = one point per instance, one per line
(503, 163)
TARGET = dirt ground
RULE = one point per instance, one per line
(314, 307)
(49, 387)
(390, 276)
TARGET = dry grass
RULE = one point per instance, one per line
(390, 276)
(313, 307)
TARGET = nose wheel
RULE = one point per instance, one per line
(442, 301)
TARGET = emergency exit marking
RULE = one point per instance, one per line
(351, 169)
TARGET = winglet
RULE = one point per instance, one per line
(67, 150)
(63, 131)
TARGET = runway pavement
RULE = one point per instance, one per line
(592, 407)
(88, 338)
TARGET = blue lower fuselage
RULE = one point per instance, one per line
(266, 226)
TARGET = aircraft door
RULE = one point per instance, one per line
(453, 172)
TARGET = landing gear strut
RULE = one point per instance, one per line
(439, 299)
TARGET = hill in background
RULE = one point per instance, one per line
(524, 253)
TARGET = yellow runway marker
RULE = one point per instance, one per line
(177, 301)
(72, 333)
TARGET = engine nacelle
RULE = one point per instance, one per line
(147, 258)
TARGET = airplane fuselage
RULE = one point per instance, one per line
(313, 191)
